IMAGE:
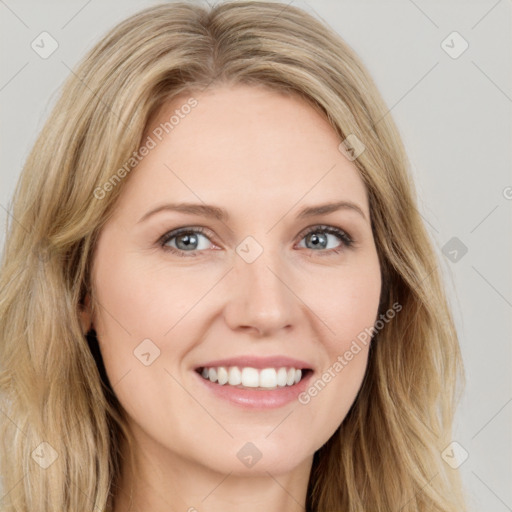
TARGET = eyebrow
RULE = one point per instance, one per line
(216, 212)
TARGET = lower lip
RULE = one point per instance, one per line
(257, 398)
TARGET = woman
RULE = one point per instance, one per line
(218, 292)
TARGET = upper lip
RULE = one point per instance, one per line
(258, 362)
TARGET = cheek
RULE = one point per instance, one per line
(347, 302)
(142, 323)
(144, 300)
(348, 308)
(138, 302)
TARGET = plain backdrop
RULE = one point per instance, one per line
(453, 109)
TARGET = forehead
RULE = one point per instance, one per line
(246, 146)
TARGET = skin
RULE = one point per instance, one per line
(263, 157)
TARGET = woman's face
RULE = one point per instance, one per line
(274, 280)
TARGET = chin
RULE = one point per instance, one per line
(259, 456)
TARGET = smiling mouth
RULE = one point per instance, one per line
(254, 378)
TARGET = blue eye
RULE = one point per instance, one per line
(322, 241)
(188, 240)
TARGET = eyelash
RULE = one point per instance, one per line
(344, 237)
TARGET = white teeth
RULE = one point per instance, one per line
(222, 375)
(235, 376)
(268, 378)
(250, 377)
(281, 377)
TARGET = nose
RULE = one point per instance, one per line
(261, 297)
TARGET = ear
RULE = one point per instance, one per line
(85, 315)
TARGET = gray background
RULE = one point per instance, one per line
(454, 115)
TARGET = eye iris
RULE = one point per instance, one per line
(318, 241)
(188, 240)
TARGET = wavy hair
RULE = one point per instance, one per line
(57, 404)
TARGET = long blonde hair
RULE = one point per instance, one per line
(57, 404)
